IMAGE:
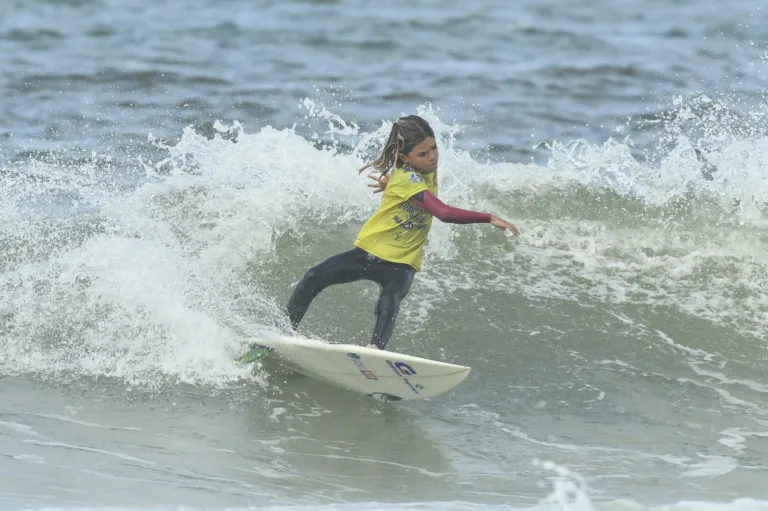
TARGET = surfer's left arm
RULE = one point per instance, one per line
(448, 214)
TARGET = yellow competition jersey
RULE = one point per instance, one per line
(397, 231)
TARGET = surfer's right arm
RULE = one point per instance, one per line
(427, 201)
(381, 181)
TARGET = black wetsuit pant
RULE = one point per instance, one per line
(394, 279)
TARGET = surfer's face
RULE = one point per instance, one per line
(423, 158)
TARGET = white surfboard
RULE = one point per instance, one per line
(384, 375)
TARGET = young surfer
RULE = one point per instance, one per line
(388, 249)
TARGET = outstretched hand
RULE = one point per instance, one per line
(504, 225)
(381, 182)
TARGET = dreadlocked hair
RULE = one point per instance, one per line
(407, 132)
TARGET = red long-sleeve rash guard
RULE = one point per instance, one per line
(445, 213)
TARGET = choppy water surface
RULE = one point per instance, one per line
(169, 170)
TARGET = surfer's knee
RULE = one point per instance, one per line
(313, 276)
(389, 303)
(393, 296)
(403, 285)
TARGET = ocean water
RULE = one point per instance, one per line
(169, 169)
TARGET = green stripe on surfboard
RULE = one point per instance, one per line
(252, 356)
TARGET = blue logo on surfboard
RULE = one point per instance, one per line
(402, 370)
